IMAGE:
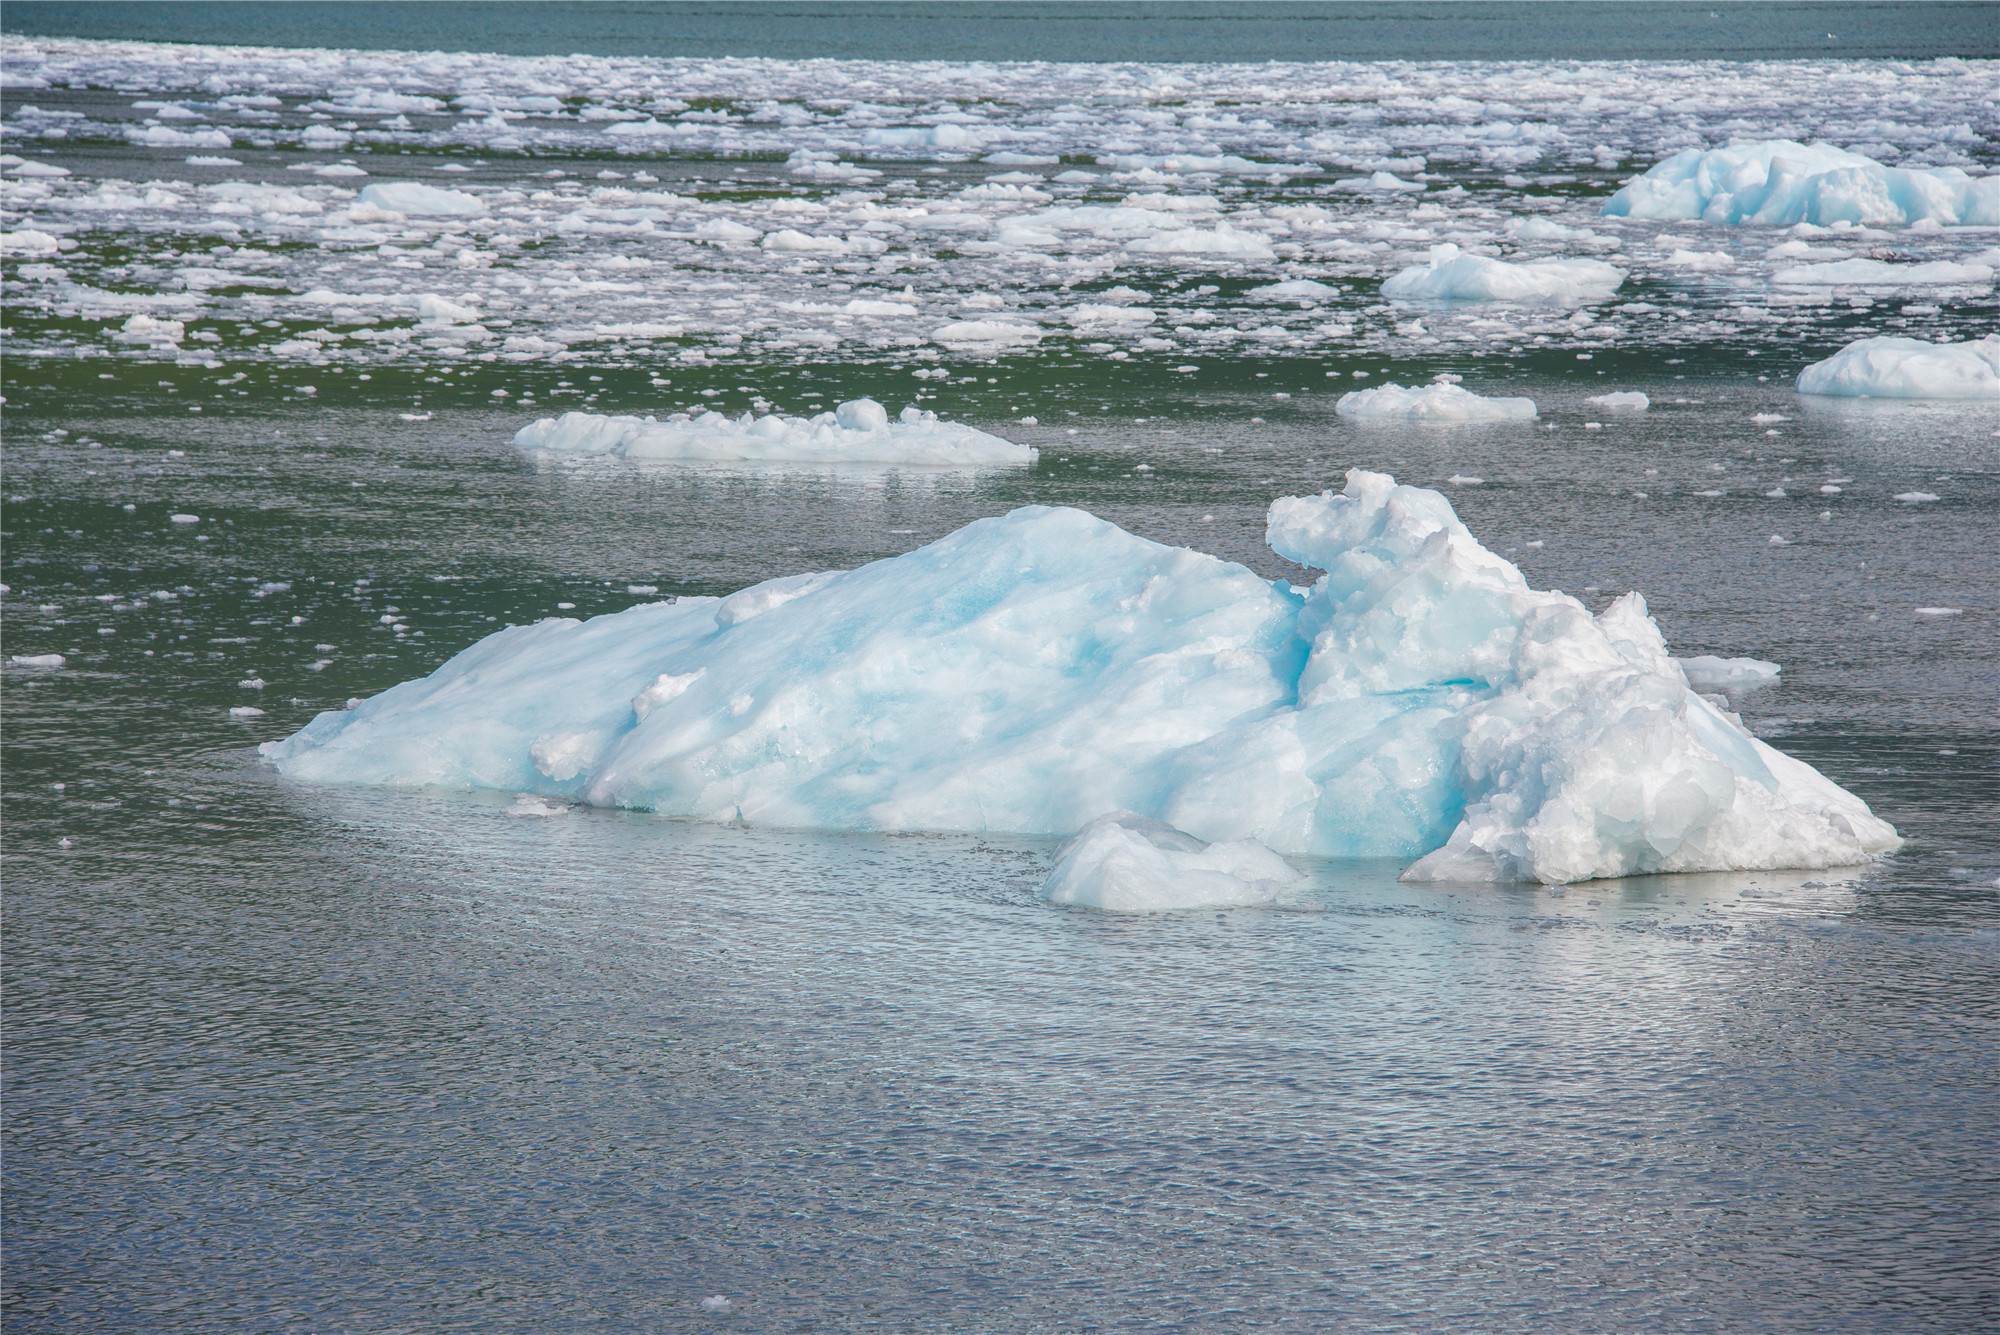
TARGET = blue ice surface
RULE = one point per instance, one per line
(1034, 671)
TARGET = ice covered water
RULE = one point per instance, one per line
(340, 1057)
(510, 216)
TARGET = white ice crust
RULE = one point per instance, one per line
(857, 432)
(1779, 182)
(1908, 368)
(1033, 671)
(1127, 863)
(1430, 403)
(1453, 276)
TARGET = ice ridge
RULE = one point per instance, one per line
(1033, 671)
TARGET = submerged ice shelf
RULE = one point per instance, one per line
(1034, 671)
(857, 432)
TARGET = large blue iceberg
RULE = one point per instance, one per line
(1778, 182)
(1035, 671)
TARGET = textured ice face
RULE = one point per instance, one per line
(1778, 182)
(1908, 368)
(1033, 671)
(857, 432)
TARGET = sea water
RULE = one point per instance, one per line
(294, 1058)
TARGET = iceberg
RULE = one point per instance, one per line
(1126, 863)
(1432, 403)
(1779, 182)
(1452, 276)
(1908, 368)
(1036, 670)
(857, 432)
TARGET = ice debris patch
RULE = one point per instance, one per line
(1033, 671)
(1908, 368)
(1779, 182)
(1440, 402)
(858, 432)
(1127, 863)
(1452, 275)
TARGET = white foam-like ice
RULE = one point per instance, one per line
(1127, 863)
(1036, 670)
(1908, 368)
(857, 432)
(1883, 273)
(1779, 182)
(1453, 276)
(1430, 403)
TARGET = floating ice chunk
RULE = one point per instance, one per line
(1706, 672)
(32, 169)
(146, 329)
(991, 333)
(436, 312)
(1624, 400)
(1098, 316)
(414, 197)
(859, 431)
(1916, 497)
(1779, 182)
(38, 660)
(245, 711)
(1452, 276)
(1431, 403)
(1882, 273)
(1032, 671)
(28, 241)
(1908, 368)
(1126, 863)
(1940, 611)
(1224, 240)
(790, 238)
(1377, 182)
(1295, 289)
(184, 519)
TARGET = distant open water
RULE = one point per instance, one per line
(296, 1060)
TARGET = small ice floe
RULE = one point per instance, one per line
(38, 660)
(1440, 402)
(1706, 672)
(1127, 863)
(1453, 276)
(1908, 368)
(1624, 400)
(414, 197)
(1465, 480)
(715, 1302)
(531, 807)
(1916, 497)
(245, 711)
(1940, 611)
(858, 431)
(184, 519)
